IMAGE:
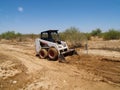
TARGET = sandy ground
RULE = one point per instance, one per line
(113, 45)
(20, 69)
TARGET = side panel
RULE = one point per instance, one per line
(59, 47)
(37, 45)
(51, 44)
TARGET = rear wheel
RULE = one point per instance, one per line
(43, 53)
(52, 53)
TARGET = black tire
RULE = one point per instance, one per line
(43, 53)
(52, 53)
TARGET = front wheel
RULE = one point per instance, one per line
(53, 53)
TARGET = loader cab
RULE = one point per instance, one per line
(50, 35)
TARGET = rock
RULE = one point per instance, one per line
(14, 82)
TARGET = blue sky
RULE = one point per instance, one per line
(34, 16)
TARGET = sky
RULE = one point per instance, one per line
(34, 16)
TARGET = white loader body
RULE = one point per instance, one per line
(50, 46)
(61, 48)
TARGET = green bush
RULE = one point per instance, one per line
(111, 35)
(96, 32)
(10, 35)
(73, 36)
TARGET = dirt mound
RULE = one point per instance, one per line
(97, 65)
(12, 73)
(8, 69)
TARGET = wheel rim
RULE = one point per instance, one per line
(42, 53)
(51, 54)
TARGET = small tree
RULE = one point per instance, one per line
(96, 32)
(73, 36)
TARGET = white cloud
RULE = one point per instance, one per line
(20, 9)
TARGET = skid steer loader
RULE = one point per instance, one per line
(50, 46)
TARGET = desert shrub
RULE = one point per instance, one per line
(0, 37)
(31, 36)
(88, 36)
(111, 34)
(27, 37)
(10, 35)
(73, 36)
(96, 32)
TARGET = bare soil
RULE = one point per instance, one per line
(21, 69)
(111, 45)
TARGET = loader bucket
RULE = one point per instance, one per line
(62, 56)
(69, 52)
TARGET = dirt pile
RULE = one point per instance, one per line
(12, 73)
(8, 69)
(108, 69)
